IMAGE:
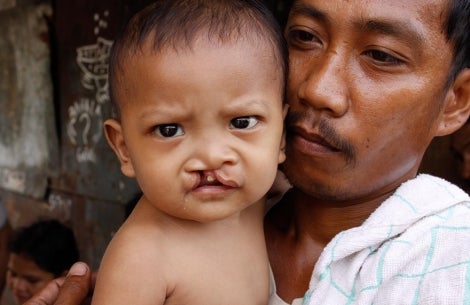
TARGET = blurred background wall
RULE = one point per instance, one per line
(54, 159)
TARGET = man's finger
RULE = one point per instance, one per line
(71, 290)
(76, 286)
(48, 294)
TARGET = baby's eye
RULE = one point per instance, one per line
(243, 122)
(169, 130)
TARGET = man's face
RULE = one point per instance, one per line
(366, 85)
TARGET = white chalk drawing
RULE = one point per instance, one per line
(84, 128)
(58, 202)
(13, 180)
(93, 62)
(100, 22)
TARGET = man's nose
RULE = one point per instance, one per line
(325, 85)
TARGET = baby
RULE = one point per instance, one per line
(198, 89)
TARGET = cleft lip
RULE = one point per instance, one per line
(214, 178)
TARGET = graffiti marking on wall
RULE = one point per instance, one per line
(13, 180)
(59, 202)
(100, 23)
(93, 62)
(84, 128)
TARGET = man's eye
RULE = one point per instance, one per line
(383, 58)
(243, 122)
(169, 130)
(297, 37)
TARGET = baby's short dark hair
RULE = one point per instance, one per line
(177, 24)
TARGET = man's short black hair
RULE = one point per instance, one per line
(457, 29)
(50, 244)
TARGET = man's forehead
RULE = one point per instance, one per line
(377, 8)
(414, 21)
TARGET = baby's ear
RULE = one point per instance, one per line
(456, 108)
(113, 132)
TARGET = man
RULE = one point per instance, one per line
(371, 84)
(368, 91)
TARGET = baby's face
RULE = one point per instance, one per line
(203, 127)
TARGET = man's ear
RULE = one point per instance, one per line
(113, 132)
(456, 104)
(282, 150)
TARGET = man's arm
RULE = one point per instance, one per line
(74, 289)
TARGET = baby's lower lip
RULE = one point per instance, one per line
(212, 189)
(212, 192)
(207, 188)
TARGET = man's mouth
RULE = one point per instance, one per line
(313, 138)
(317, 135)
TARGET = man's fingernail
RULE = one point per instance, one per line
(78, 269)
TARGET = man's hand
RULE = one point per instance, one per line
(74, 289)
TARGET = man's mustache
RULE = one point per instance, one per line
(326, 131)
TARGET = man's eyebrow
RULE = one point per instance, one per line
(399, 29)
(308, 11)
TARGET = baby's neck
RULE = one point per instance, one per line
(244, 221)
